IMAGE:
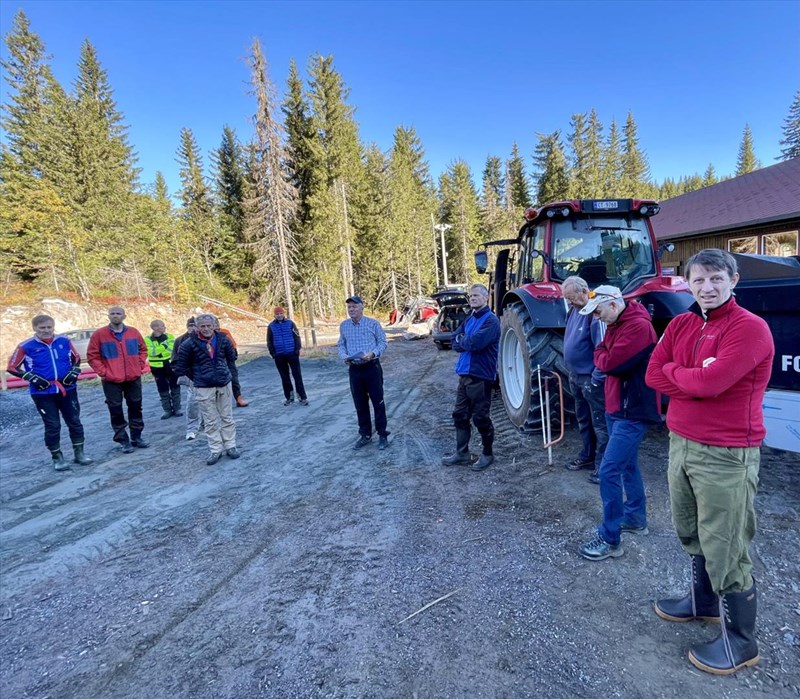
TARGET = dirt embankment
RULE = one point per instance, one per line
(291, 572)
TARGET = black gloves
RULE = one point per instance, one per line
(72, 376)
(36, 381)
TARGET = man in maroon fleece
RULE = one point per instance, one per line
(118, 355)
(714, 362)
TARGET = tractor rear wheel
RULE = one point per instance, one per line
(523, 347)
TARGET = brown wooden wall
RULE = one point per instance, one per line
(686, 247)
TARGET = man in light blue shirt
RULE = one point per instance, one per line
(361, 344)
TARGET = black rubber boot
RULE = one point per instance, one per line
(166, 405)
(462, 449)
(701, 604)
(175, 395)
(59, 463)
(80, 457)
(736, 645)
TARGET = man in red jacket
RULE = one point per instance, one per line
(630, 406)
(714, 362)
(118, 355)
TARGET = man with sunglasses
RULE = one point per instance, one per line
(630, 407)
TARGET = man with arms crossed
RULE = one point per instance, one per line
(477, 340)
(714, 362)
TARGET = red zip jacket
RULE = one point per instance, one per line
(623, 356)
(715, 370)
(116, 360)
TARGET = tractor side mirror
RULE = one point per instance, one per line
(481, 261)
(665, 247)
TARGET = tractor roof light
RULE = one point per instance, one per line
(565, 211)
(649, 209)
(551, 213)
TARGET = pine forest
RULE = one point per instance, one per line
(301, 213)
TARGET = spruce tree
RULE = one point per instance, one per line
(635, 180)
(518, 195)
(495, 220)
(551, 165)
(791, 131)
(459, 207)
(710, 176)
(746, 161)
(579, 156)
(197, 212)
(230, 189)
(612, 162)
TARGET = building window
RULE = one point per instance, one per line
(779, 244)
(745, 246)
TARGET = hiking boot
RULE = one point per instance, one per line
(59, 462)
(166, 405)
(362, 442)
(383, 442)
(594, 477)
(598, 549)
(485, 461)
(213, 458)
(140, 443)
(457, 459)
(241, 402)
(190, 436)
(233, 453)
(701, 604)
(127, 448)
(80, 457)
(578, 464)
(626, 528)
(304, 401)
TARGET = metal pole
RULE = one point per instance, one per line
(435, 261)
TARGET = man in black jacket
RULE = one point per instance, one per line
(209, 360)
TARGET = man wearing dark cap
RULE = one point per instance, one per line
(361, 344)
(283, 343)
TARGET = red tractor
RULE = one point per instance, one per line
(604, 241)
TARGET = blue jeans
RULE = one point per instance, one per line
(620, 469)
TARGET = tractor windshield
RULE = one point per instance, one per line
(603, 250)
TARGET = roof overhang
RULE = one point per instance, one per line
(744, 225)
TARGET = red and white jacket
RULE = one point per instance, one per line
(715, 369)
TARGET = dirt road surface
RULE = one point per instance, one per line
(290, 572)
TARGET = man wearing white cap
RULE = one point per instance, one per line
(630, 406)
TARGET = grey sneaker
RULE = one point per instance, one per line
(383, 443)
(288, 401)
(304, 401)
(190, 436)
(598, 549)
(362, 442)
(233, 453)
(626, 528)
(213, 458)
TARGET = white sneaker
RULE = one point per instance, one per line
(191, 435)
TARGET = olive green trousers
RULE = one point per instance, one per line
(712, 491)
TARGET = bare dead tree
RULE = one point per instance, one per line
(272, 203)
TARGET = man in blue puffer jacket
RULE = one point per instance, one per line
(477, 339)
(283, 343)
(51, 366)
(208, 359)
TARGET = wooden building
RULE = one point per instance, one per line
(757, 213)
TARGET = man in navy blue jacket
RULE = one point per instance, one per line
(477, 339)
(283, 343)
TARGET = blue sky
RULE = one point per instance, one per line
(471, 77)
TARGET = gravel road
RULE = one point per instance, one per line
(292, 571)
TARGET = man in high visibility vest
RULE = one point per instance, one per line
(159, 351)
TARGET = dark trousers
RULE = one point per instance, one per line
(166, 381)
(131, 392)
(284, 363)
(52, 407)
(473, 400)
(366, 384)
(590, 411)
